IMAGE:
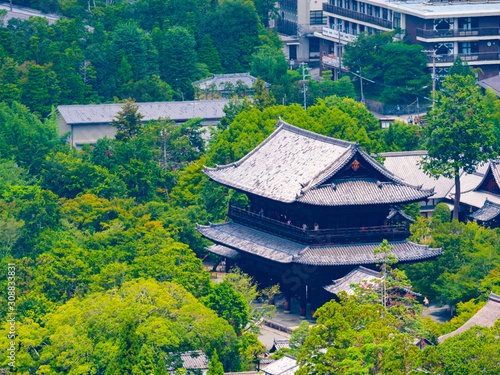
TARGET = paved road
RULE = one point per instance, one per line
(26, 13)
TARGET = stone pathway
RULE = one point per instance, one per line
(440, 314)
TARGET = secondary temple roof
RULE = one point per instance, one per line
(296, 165)
(252, 241)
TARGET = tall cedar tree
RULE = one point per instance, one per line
(460, 133)
(127, 353)
(215, 367)
(128, 121)
(207, 54)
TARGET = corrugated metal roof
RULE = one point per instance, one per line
(292, 162)
(486, 317)
(177, 111)
(490, 210)
(362, 192)
(243, 238)
(221, 80)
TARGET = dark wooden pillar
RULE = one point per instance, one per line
(303, 300)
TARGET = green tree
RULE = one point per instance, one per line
(441, 213)
(460, 134)
(128, 351)
(208, 54)
(262, 97)
(460, 68)
(128, 122)
(178, 61)
(36, 91)
(215, 367)
(299, 336)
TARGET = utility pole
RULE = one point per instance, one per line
(304, 87)
(361, 78)
(433, 75)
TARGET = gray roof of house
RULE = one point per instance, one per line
(356, 276)
(490, 210)
(283, 366)
(293, 164)
(406, 166)
(493, 82)
(280, 343)
(486, 317)
(192, 360)
(177, 111)
(220, 80)
(252, 241)
(395, 212)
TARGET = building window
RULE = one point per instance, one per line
(361, 28)
(377, 11)
(316, 17)
(443, 24)
(355, 5)
(385, 14)
(346, 27)
(340, 3)
(467, 23)
(369, 8)
(361, 7)
(468, 47)
(397, 20)
(347, 4)
(370, 30)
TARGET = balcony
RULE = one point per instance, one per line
(469, 57)
(289, 4)
(357, 16)
(344, 37)
(458, 33)
(286, 27)
(320, 236)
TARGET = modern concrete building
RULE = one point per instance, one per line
(469, 29)
(297, 24)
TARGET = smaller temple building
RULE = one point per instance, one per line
(318, 208)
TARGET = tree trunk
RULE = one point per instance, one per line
(457, 195)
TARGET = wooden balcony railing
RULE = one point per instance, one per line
(320, 236)
(457, 33)
(357, 15)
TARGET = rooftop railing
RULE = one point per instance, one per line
(357, 15)
(457, 33)
(320, 236)
(470, 57)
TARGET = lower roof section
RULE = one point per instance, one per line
(247, 240)
(489, 211)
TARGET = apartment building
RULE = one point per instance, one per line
(299, 24)
(470, 29)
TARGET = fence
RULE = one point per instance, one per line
(394, 109)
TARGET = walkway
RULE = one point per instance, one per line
(26, 13)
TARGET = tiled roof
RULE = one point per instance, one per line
(362, 191)
(489, 211)
(354, 254)
(177, 111)
(292, 164)
(193, 360)
(356, 276)
(406, 166)
(477, 198)
(280, 343)
(394, 212)
(251, 241)
(224, 251)
(220, 80)
(268, 246)
(283, 366)
(486, 317)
